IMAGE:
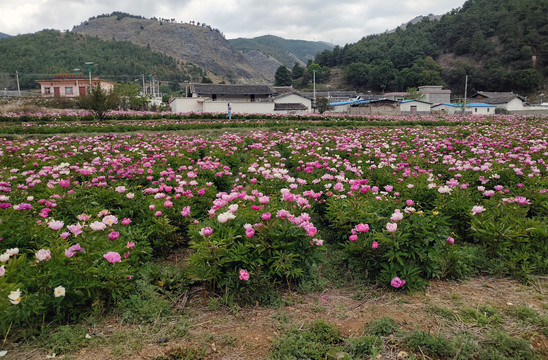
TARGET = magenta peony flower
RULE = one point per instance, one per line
(249, 232)
(186, 211)
(244, 275)
(64, 183)
(450, 240)
(126, 221)
(206, 231)
(397, 282)
(265, 216)
(363, 228)
(353, 237)
(114, 235)
(112, 257)
(374, 245)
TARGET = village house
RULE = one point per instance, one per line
(503, 100)
(415, 107)
(71, 85)
(473, 108)
(434, 94)
(248, 99)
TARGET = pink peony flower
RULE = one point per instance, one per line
(130, 245)
(249, 232)
(206, 231)
(397, 282)
(76, 229)
(76, 247)
(112, 257)
(83, 217)
(409, 202)
(363, 228)
(43, 254)
(2, 270)
(55, 225)
(64, 183)
(450, 240)
(126, 221)
(391, 227)
(97, 226)
(186, 211)
(64, 235)
(244, 275)
(69, 253)
(110, 220)
(374, 245)
(114, 235)
(477, 210)
(168, 203)
(265, 216)
(396, 216)
(282, 214)
(317, 242)
(353, 237)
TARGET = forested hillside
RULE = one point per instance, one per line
(502, 45)
(39, 55)
(287, 52)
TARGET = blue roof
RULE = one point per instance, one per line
(467, 105)
(479, 105)
(350, 102)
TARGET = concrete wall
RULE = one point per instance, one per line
(422, 108)
(239, 107)
(294, 98)
(375, 110)
(184, 105)
(515, 104)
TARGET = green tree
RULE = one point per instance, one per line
(129, 95)
(99, 102)
(282, 77)
(357, 74)
(297, 71)
(322, 105)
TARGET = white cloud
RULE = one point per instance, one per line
(344, 21)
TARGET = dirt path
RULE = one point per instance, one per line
(248, 333)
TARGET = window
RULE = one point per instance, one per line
(252, 97)
(68, 90)
(214, 97)
(475, 109)
(488, 109)
(47, 90)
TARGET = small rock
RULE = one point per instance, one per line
(509, 304)
(402, 355)
(88, 336)
(3, 353)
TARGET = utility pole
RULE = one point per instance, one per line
(465, 94)
(314, 80)
(18, 88)
(89, 64)
(144, 86)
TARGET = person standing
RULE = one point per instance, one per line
(229, 112)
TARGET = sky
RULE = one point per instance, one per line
(334, 21)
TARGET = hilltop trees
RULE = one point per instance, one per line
(282, 77)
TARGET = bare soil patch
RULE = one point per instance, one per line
(247, 333)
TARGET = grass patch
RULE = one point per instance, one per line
(482, 316)
(383, 326)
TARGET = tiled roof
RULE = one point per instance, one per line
(289, 106)
(495, 97)
(225, 89)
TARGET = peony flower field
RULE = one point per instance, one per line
(258, 210)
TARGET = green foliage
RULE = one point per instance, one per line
(313, 342)
(66, 339)
(99, 102)
(430, 344)
(483, 30)
(383, 326)
(282, 77)
(144, 305)
(322, 105)
(501, 346)
(46, 52)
